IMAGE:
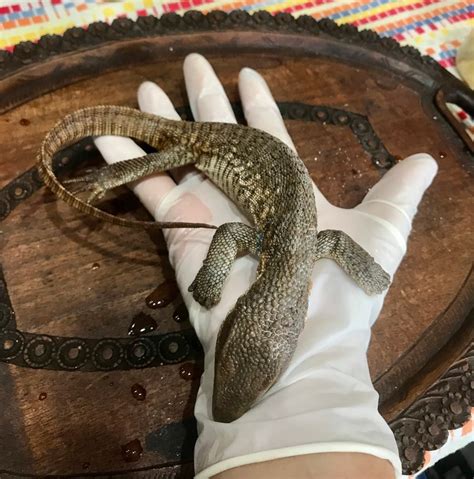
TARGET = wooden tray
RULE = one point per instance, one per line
(354, 103)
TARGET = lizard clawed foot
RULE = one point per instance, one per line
(90, 182)
(206, 287)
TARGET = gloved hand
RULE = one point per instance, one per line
(325, 400)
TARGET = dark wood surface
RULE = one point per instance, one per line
(353, 108)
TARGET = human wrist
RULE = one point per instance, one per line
(333, 465)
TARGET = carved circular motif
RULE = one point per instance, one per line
(173, 348)
(140, 353)
(382, 160)
(39, 351)
(107, 354)
(360, 127)
(296, 112)
(341, 118)
(20, 190)
(11, 344)
(73, 354)
(319, 114)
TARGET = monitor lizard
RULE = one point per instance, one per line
(271, 185)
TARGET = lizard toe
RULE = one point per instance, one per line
(206, 297)
(97, 194)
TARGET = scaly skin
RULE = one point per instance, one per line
(268, 181)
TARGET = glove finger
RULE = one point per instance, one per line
(206, 94)
(259, 107)
(262, 112)
(152, 99)
(395, 198)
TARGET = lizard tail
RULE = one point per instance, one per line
(99, 121)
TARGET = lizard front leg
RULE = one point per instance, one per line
(353, 259)
(230, 240)
(117, 174)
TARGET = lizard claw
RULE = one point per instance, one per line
(206, 290)
(97, 194)
(90, 182)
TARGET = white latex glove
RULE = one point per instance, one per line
(325, 400)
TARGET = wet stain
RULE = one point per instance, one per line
(175, 441)
(190, 371)
(442, 154)
(138, 392)
(132, 451)
(43, 396)
(141, 324)
(163, 295)
(354, 171)
(181, 313)
(25, 122)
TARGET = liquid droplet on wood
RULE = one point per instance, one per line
(95, 266)
(132, 451)
(190, 371)
(24, 122)
(138, 392)
(43, 396)
(141, 324)
(181, 313)
(442, 154)
(163, 295)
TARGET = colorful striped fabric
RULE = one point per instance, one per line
(435, 27)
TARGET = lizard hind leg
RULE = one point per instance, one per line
(353, 259)
(122, 172)
(229, 241)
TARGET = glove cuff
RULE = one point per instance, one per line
(270, 455)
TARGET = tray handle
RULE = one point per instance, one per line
(463, 99)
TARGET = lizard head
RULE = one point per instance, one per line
(254, 346)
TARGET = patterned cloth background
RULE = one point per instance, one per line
(436, 27)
